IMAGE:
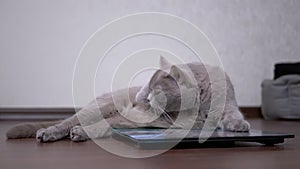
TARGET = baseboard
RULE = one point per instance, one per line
(44, 113)
(62, 113)
(251, 112)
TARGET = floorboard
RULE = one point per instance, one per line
(27, 153)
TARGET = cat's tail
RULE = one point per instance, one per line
(28, 130)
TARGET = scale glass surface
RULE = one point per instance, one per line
(171, 138)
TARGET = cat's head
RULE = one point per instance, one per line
(164, 87)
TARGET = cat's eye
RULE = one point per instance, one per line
(167, 76)
(156, 91)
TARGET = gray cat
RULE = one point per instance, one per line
(157, 104)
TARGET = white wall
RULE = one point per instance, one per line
(40, 40)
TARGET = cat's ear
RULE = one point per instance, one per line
(181, 76)
(164, 64)
(177, 74)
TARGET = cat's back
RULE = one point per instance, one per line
(199, 70)
(202, 71)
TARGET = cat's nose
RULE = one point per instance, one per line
(149, 98)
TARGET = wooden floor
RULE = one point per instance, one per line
(28, 154)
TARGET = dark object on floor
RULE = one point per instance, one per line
(171, 138)
(281, 96)
(282, 69)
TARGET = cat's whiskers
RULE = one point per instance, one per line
(167, 116)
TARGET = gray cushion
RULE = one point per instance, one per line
(281, 98)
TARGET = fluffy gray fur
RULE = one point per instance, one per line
(97, 118)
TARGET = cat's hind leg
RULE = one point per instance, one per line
(100, 129)
(86, 116)
(78, 134)
(56, 132)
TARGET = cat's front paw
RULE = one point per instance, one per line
(236, 125)
(77, 134)
(45, 135)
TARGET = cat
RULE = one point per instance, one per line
(140, 107)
